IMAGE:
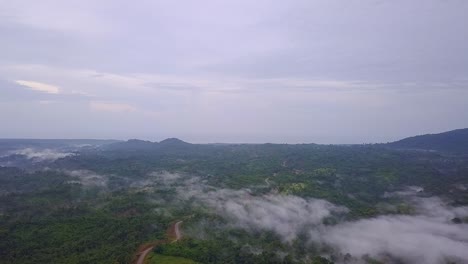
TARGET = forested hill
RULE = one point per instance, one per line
(169, 144)
(455, 141)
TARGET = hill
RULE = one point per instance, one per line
(455, 141)
(145, 146)
(173, 142)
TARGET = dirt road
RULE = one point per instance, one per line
(173, 234)
(144, 253)
(178, 235)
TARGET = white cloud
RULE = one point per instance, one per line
(74, 16)
(46, 102)
(111, 107)
(222, 107)
(427, 237)
(38, 86)
(41, 155)
(286, 215)
(89, 178)
(165, 177)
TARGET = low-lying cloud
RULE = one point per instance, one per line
(427, 236)
(40, 155)
(164, 177)
(286, 215)
(88, 178)
(413, 239)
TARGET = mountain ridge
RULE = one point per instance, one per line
(450, 141)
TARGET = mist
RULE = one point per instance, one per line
(88, 178)
(40, 155)
(428, 235)
(287, 215)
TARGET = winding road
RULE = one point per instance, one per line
(144, 253)
(178, 235)
(177, 231)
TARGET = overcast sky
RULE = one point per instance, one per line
(349, 71)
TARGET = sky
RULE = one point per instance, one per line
(299, 71)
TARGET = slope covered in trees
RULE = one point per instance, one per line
(455, 141)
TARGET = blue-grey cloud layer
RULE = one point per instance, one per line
(237, 71)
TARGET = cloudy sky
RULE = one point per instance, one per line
(323, 71)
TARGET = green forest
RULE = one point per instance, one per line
(101, 204)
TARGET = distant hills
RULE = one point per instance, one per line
(450, 141)
(173, 141)
(455, 141)
(137, 144)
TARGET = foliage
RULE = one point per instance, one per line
(49, 216)
(162, 259)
